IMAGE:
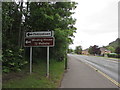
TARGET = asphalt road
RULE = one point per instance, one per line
(81, 75)
(106, 65)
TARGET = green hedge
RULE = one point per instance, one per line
(113, 55)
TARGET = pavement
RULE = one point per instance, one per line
(80, 75)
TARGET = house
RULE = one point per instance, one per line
(85, 52)
(104, 51)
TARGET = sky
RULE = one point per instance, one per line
(96, 23)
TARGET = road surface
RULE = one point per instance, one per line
(81, 75)
(106, 65)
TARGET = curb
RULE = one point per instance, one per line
(59, 86)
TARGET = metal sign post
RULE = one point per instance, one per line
(39, 39)
(48, 61)
(30, 60)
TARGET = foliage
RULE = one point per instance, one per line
(94, 50)
(56, 17)
(11, 17)
(113, 45)
(112, 49)
(78, 50)
(117, 50)
(118, 55)
(35, 16)
(70, 50)
(13, 53)
(38, 77)
(12, 60)
(113, 55)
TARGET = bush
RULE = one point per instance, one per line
(113, 55)
(118, 55)
(13, 60)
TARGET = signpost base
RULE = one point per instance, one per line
(30, 60)
(47, 61)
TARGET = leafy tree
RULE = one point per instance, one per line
(13, 60)
(70, 50)
(117, 50)
(78, 50)
(13, 57)
(94, 50)
(56, 17)
(112, 49)
(115, 43)
(36, 16)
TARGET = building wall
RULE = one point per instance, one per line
(85, 52)
(104, 51)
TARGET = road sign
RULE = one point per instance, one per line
(39, 34)
(39, 41)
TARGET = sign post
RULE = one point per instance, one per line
(48, 61)
(30, 60)
(39, 39)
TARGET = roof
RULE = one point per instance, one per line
(104, 49)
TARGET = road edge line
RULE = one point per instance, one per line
(109, 78)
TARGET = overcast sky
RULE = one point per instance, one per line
(97, 23)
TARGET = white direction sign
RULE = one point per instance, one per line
(39, 34)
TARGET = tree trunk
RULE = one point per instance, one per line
(19, 37)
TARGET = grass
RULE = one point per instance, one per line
(108, 57)
(38, 78)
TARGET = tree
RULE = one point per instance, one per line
(94, 50)
(112, 49)
(56, 17)
(36, 16)
(117, 50)
(13, 55)
(70, 50)
(78, 50)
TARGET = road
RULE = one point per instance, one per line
(106, 65)
(81, 75)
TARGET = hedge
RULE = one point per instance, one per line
(113, 55)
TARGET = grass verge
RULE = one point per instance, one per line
(38, 78)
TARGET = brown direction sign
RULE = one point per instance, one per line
(39, 41)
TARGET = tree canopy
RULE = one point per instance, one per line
(117, 50)
(78, 50)
(35, 16)
(70, 50)
(94, 50)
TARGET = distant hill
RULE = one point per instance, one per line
(115, 43)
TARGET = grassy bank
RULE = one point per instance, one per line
(38, 78)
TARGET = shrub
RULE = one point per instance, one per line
(13, 60)
(118, 55)
(113, 55)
